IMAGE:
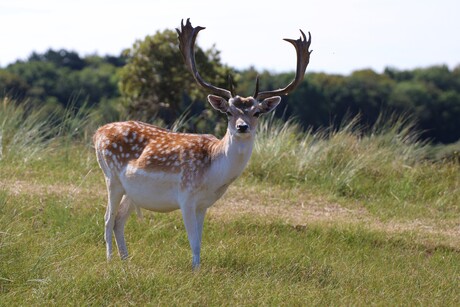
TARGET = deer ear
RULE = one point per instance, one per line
(268, 104)
(218, 103)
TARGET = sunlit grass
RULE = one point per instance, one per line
(386, 169)
(54, 253)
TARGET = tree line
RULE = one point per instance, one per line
(150, 82)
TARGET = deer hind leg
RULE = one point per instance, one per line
(115, 193)
(126, 207)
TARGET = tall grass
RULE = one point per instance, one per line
(29, 132)
(385, 165)
(24, 132)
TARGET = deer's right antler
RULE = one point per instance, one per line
(187, 36)
(303, 58)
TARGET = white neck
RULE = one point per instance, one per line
(230, 156)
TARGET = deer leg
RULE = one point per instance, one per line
(189, 215)
(115, 192)
(126, 207)
(200, 214)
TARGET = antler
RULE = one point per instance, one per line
(303, 57)
(187, 36)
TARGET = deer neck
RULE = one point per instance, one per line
(231, 155)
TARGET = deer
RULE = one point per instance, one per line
(152, 168)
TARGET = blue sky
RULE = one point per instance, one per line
(347, 35)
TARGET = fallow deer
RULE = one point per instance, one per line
(159, 170)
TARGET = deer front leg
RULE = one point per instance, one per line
(200, 214)
(193, 220)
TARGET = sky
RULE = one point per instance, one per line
(347, 35)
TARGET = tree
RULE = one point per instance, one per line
(60, 58)
(12, 85)
(60, 78)
(156, 83)
(439, 76)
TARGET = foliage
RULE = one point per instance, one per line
(155, 86)
(156, 83)
(60, 78)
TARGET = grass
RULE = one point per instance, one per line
(386, 170)
(336, 217)
(245, 261)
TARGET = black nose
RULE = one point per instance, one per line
(242, 128)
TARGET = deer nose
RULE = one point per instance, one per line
(242, 128)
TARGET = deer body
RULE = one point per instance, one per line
(155, 169)
(181, 165)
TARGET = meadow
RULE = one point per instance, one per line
(341, 216)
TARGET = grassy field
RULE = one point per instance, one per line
(325, 218)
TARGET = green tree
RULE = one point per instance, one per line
(60, 78)
(438, 76)
(60, 58)
(12, 85)
(156, 83)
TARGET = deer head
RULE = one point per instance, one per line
(242, 112)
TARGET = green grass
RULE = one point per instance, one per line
(327, 218)
(53, 252)
(386, 170)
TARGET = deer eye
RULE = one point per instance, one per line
(256, 114)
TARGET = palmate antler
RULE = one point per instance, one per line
(187, 36)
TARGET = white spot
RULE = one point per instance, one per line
(114, 145)
(141, 138)
(121, 148)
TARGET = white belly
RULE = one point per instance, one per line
(156, 191)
